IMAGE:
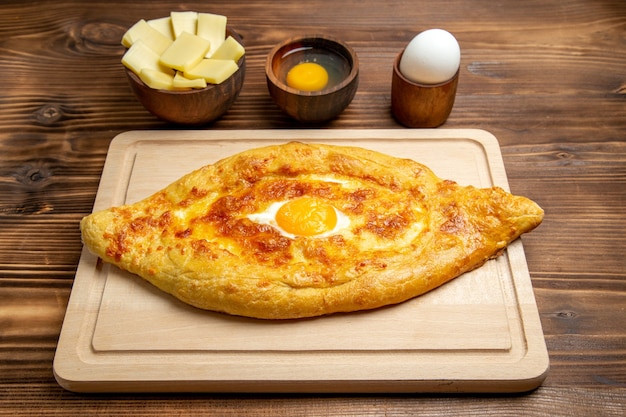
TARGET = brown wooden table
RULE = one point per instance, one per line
(547, 78)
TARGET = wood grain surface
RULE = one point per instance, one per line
(547, 77)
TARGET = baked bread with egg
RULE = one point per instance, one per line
(302, 230)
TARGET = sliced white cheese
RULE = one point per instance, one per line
(212, 27)
(230, 49)
(139, 56)
(163, 25)
(184, 22)
(142, 31)
(185, 52)
(156, 79)
(181, 82)
(214, 71)
(131, 35)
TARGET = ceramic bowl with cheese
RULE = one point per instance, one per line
(312, 78)
(182, 79)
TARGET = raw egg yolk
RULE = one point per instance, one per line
(307, 76)
(306, 216)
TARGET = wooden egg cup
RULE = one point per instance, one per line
(421, 105)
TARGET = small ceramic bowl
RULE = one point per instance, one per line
(339, 59)
(421, 105)
(191, 107)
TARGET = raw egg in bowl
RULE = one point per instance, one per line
(312, 78)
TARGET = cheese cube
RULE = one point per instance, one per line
(163, 25)
(180, 82)
(184, 22)
(156, 79)
(212, 27)
(131, 35)
(229, 49)
(140, 56)
(185, 52)
(214, 71)
(150, 36)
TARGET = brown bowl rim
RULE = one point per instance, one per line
(354, 70)
(229, 31)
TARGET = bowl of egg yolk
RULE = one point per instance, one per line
(312, 78)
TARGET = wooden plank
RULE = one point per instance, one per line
(543, 76)
(118, 328)
(546, 401)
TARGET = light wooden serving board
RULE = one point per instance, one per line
(479, 333)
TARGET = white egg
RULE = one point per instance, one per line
(432, 57)
(268, 217)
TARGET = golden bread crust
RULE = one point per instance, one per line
(409, 232)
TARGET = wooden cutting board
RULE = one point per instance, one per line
(479, 333)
